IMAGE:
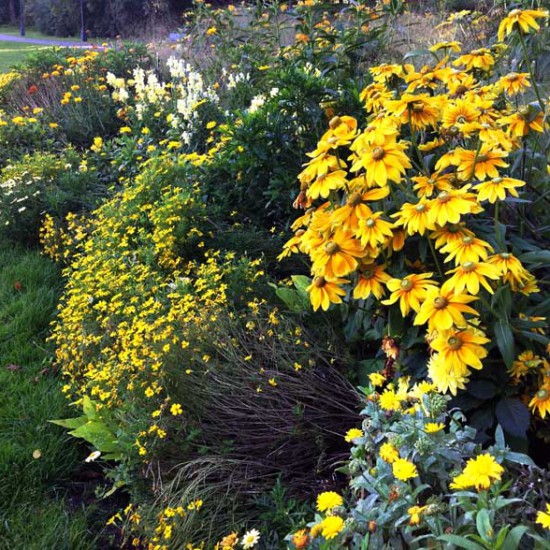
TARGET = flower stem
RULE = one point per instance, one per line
(531, 73)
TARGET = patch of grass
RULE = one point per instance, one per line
(13, 53)
(33, 33)
(36, 457)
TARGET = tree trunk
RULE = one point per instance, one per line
(13, 11)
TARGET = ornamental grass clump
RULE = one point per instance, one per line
(427, 215)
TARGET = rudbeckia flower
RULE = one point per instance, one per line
(524, 20)
(322, 293)
(409, 291)
(460, 348)
(469, 275)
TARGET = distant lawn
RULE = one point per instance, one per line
(12, 53)
(33, 33)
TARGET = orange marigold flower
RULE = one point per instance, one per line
(409, 291)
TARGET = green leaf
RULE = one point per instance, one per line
(499, 437)
(98, 435)
(514, 537)
(513, 416)
(505, 341)
(301, 282)
(71, 423)
(483, 524)
(519, 458)
(461, 542)
(540, 258)
(89, 408)
(293, 299)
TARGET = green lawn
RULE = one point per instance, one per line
(37, 459)
(33, 33)
(13, 53)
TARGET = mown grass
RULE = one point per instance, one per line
(36, 457)
(33, 33)
(14, 53)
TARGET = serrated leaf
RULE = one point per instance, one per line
(513, 416)
(505, 341)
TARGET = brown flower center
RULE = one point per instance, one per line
(497, 181)
(482, 158)
(444, 196)
(378, 153)
(406, 284)
(354, 199)
(335, 122)
(512, 77)
(542, 394)
(417, 107)
(505, 255)
(319, 282)
(331, 248)
(454, 343)
(420, 207)
(468, 239)
(468, 266)
(441, 302)
(370, 223)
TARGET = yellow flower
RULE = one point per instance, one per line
(377, 379)
(443, 308)
(514, 83)
(329, 500)
(382, 160)
(373, 231)
(410, 291)
(450, 205)
(415, 512)
(496, 188)
(543, 518)
(176, 409)
(390, 401)
(479, 472)
(541, 401)
(446, 377)
(414, 217)
(337, 257)
(322, 293)
(370, 281)
(331, 526)
(482, 164)
(352, 434)
(433, 427)
(467, 249)
(469, 275)
(388, 453)
(459, 348)
(325, 183)
(524, 20)
(300, 539)
(404, 469)
(476, 59)
(526, 362)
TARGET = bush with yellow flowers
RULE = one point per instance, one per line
(426, 225)
(418, 479)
